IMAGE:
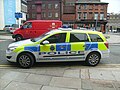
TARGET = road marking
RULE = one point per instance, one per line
(2, 40)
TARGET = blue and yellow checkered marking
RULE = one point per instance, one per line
(63, 47)
(91, 45)
(32, 48)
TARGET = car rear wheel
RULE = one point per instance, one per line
(93, 59)
(25, 60)
(18, 38)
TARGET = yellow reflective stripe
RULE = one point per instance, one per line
(78, 46)
(18, 49)
(101, 46)
(46, 48)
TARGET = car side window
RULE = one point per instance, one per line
(27, 25)
(78, 37)
(95, 38)
(57, 38)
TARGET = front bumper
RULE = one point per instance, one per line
(11, 56)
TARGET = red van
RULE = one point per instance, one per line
(35, 28)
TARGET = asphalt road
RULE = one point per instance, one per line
(113, 59)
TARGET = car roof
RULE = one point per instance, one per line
(76, 30)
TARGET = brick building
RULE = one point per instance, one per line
(76, 13)
(68, 13)
(91, 14)
(44, 9)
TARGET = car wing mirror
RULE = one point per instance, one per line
(45, 42)
(21, 27)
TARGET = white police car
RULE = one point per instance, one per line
(60, 45)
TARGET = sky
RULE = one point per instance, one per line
(113, 6)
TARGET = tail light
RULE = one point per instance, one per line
(10, 28)
(107, 44)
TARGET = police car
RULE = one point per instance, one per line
(60, 45)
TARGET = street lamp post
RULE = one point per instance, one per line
(96, 24)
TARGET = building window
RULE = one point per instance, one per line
(79, 7)
(56, 6)
(33, 15)
(43, 6)
(49, 14)
(43, 14)
(85, 15)
(90, 15)
(90, 7)
(101, 16)
(96, 16)
(49, 6)
(79, 16)
(56, 15)
(85, 6)
(33, 6)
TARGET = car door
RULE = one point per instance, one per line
(55, 50)
(27, 30)
(78, 45)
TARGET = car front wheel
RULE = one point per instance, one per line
(25, 60)
(93, 59)
(18, 37)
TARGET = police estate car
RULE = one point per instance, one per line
(60, 45)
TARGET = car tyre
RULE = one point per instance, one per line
(25, 60)
(93, 59)
(18, 38)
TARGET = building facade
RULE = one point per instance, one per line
(113, 21)
(8, 8)
(76, 13)
(44, 9)
(91, 14)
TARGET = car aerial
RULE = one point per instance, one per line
(60, 45)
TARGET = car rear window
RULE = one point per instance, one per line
(95, 38)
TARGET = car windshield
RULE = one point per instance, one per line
(41, 36)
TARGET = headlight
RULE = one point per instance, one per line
(11, 48)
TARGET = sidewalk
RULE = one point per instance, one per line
(57, 78)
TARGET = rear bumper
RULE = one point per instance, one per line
(105, 54)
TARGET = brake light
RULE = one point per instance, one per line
(107, 44)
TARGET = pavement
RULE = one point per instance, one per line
(62, 77)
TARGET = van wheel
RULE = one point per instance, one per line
(25, 60)
(18, 38)
(93, 59)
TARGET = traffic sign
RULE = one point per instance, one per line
(18, 15)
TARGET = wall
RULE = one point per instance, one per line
(2, 14)
(9, 12)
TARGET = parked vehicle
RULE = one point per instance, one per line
(35, 28)
(10, 28)
(7, 28)
(60, 45)
(14, 27)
